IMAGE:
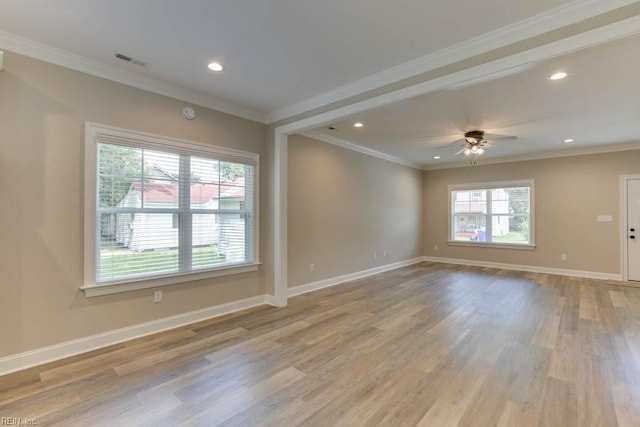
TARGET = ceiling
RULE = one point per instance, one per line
(597, 104)
(284, 58)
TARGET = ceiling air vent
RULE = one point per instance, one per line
(130, 59)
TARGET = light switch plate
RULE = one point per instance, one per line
(605, 218)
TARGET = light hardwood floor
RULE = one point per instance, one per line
(428, 345)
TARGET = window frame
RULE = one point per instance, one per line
(97, 133)
(479, 186)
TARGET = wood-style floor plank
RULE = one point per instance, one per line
(430, 345)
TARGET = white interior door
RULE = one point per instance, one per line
(633, 229)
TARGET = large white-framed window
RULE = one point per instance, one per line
(494, 214)
(160, 210)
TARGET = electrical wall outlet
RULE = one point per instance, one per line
(312, 267)
(375, 255)
(157, 296)
(564, 257)
(384, 254)
(435, 247)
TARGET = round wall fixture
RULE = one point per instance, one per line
(189, 113)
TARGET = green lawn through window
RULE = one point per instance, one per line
(512, 237)
(121, 262)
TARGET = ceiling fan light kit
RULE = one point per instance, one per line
(475, 142)
(474, 149)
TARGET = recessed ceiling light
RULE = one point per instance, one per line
(568, 140)
(558, 76)
(436, 157)
(215, 66)
(358, 125)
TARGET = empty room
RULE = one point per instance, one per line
(330, 213)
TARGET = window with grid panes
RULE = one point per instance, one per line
(499, 213)
(165, 208)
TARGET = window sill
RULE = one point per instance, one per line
(145, 283)
(522, 247)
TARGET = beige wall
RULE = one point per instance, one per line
(569, 194)
(344, 206)
(42, 113)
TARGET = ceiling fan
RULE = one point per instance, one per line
(475, 144)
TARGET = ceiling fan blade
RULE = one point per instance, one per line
(452, 143)
(460, 151)
(497, 137)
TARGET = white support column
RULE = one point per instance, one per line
(280, 220)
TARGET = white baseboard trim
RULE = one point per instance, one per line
(333, 281)
(54, 352)
(528, 268)
(28, 359)
(271, 300)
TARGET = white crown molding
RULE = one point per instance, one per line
(578, 151)
(333, 281)
(359, 148)
(624, 28)
(565, 15)
(528, 268)
(562, 16)
(59, 351)
(26, 47)
(590, 38)
(582, 151)
(594, 37)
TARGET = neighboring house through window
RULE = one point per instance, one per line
(163, 211)
(493, 214)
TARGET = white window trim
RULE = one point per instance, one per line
(95, 133)
(489, 185)
(497, 245)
